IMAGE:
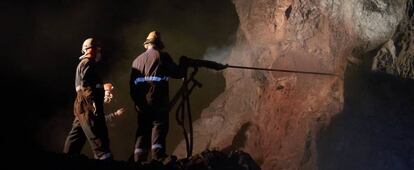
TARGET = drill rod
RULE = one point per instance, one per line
(282, 70)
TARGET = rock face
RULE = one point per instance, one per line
(283, 119)
(396, 56)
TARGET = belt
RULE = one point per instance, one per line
(98, 86)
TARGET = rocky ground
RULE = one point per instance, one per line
(206, 160)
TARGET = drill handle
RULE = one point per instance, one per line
(189, 62)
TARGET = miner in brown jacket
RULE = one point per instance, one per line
(89, 124)
(149, 90)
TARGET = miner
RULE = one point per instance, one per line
(89, 123)
(149, 90)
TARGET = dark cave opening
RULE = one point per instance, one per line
(374, 130)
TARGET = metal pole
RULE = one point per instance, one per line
(282, 70)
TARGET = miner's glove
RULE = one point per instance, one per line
(108, 87)
(184, 62)
(119, 112)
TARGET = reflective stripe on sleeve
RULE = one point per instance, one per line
(150, 78)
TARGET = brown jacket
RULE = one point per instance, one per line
(88, 86)
(149, 79)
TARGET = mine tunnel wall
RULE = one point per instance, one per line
(359, 119)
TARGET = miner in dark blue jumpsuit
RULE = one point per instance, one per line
(149, 90)
(89, 124)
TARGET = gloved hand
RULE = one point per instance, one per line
(185, 62)
(111, 116)
(108, 87)
(120, 111)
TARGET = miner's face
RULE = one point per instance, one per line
(94, 53)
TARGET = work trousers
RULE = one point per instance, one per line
(90, 125)
(151, 133)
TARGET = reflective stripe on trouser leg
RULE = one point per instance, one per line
(159, 134)
(156, 146)
(139, 151)
(140, 155)
(143, 136)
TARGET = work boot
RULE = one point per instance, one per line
(153, 164)
(170, 162)
(159, 156)
(140, 157)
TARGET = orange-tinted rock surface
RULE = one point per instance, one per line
(284, 120)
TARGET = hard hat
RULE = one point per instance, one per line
(154, 37)
(89, 43)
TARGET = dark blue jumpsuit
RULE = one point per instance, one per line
(150, 91)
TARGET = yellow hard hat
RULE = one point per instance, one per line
(154, 37)
(88, 43)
